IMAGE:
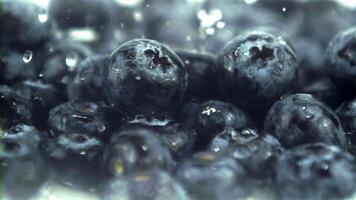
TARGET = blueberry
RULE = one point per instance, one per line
(16, 107)
(232, 137)
(300, 119)
(211, 118)
(75, 160)
(200, 68)
(179, 140)
(22, 28)
(135, 149)
(341, 61)
(258, 156)
(256, 68)
(23, 170)
(315, 171)
(82, 117)
(145, 77)
(42, 97)
(347, 115)
(153, 185)
(87, 83)
(324, 90)
(209, 176)
(61, 59)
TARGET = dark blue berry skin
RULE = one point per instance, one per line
(20, 25)
(300, 119)
(201, 76)
(210, 118)
(315, 171)
(82, 117)
(347, 115)
(256, 68)
(179, 140)
(133, 150)
(87, 83)
(145, 77)
(258, 156)
(341, 62)
(210, 176)
(61, 59)
(74, 159)
(23, 170)
(43, 97)
(16, 107)
(324, 90)
(232, 137)
(150, 185)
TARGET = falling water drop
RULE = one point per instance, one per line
(72, 59)
(27, 56)
(42, 17)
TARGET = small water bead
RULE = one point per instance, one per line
(27, 56)
(220, 25)
(72, 60)
(284, 9)
(42, 17)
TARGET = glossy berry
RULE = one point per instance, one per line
(16, 107)
(133, 150)
(341, 61)
(210, 176)
(347, 115)
(145, 77)
(315, 171)
(256, 68)
(22, 28)
(201, 77)
(300, 119)
(23, 170)
(153, 185)
(78, 117)
(87, 83)
(43, 97)
(225, 140)
(211, 118)
(258, 156)
(75, 160)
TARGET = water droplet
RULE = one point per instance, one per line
(102, 128)
(304, 108)
(144, 147)
(83, 153)
(208, 111)
(210, 31)
(308, 116)
(138, 78)
(42, 17)
(284, 9)
(138, 16)
(216, 149)
(72, 60)
(40, 75)
(250, 1)
(27, 56)
(220, 25)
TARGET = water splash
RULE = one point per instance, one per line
(27, 56)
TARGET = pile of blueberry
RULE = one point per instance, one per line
(249, 101)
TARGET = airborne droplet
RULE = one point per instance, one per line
(27, 56)
(72, 59)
